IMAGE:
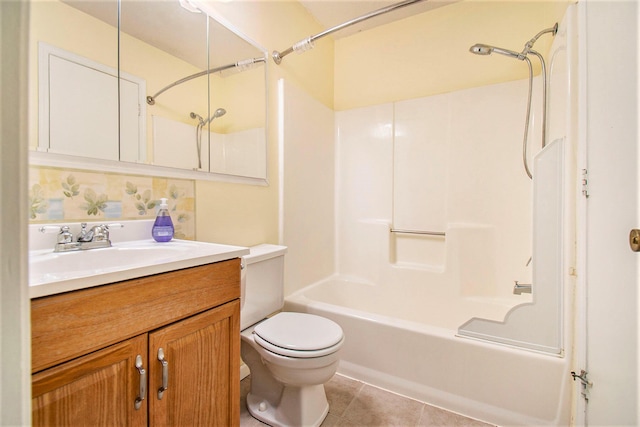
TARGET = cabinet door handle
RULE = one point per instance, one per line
(142, 393)
(165, 373)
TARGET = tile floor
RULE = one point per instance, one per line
(354, 403)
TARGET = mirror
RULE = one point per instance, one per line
(171, 91)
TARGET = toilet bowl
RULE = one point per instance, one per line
(290, 355)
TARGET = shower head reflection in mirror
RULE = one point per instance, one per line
(202, 123)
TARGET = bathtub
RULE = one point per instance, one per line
(422, 357)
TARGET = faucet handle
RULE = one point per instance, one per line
(99, 233)
(64, 235)
(106, 227)
(48, 229)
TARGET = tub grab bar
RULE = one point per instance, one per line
(429, 233)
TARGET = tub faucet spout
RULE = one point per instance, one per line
(520, 288)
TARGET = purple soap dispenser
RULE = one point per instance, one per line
(162, 230)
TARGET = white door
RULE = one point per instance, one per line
(611, 121)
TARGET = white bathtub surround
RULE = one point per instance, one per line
(306, 186)
(482, 200)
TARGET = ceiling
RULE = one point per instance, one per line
(168, 26)
(330, 13)
(171, 28)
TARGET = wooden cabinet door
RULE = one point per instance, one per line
(202, 355)
(99, 389)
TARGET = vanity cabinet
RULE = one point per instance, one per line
(182, 328)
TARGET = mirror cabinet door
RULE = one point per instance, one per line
(73, 78)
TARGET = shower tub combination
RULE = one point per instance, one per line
(422, 357)
(423, 282)
(406, 321)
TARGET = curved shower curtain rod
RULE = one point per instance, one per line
(306, 44)
(240, 65)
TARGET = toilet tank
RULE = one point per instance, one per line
(262, 283)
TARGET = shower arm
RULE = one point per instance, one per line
(530, 43)
(307, 43)
(241, 65)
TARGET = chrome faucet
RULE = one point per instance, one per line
(96, 237)
(97, 233)
(521, 288)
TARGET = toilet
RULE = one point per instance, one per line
(290, 355)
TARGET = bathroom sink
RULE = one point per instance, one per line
(51, 272)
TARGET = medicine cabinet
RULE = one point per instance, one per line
(153, 88)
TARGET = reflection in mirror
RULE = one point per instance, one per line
(163, 42)
(237, 138)
(188, 120)
(73, 80)
(186, 63)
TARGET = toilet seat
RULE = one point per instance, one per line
(299, 335)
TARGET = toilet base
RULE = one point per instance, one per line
(298, 406)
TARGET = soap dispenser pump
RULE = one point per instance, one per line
(162, 230)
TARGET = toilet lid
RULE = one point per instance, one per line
(299, 332)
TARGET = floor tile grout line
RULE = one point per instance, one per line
(353, 399)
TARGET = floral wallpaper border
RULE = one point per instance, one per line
(75, 195)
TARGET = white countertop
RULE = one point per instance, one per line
(52, 273)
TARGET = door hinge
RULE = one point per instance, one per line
(585, 381)
(585, 183)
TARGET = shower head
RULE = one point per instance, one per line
(485, 49)
(202, 122)
(218, 113)
(478, 49)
